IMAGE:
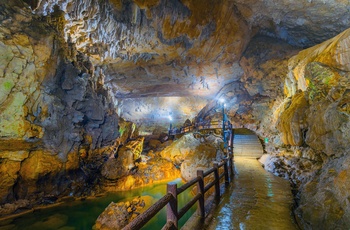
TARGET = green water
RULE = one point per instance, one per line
(79, 215)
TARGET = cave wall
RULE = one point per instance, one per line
(315, 124)
(300, 102)
(56, 117)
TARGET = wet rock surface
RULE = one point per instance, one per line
(256, 200)
(118, 215)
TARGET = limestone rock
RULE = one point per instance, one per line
(320, 72)
(118, 215)
(127, 130)
(322, 207)
(124, 160)
(333, 53)
(292, 120)
(135, 146)
(117, 168)
(8, 173)
(178, 150)
(153, 171)
(193, 153)
(38, 165)
(10, 208)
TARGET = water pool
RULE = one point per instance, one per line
(81, 215)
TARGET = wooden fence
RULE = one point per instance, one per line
(217, 124)
(170, 199)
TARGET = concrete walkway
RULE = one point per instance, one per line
(246, 143)
(255, 200)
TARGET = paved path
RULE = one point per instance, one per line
(256, 200)
(246, 143)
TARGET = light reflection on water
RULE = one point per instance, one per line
(81, 215)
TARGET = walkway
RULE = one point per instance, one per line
(256, 200)
(246, 143)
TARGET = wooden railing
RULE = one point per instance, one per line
(170, 199)
(200, 126)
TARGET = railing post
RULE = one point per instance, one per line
(227, 179)
(200, 189)
(231, 166)
(217, 181)
(171, 208)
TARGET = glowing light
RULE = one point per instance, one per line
(170, 118)
(222, 100)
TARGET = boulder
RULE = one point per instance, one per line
(154, 170)
(118, 215)
(191, 153)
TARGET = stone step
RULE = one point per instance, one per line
(247, 145)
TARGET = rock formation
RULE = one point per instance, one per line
(118, 215)
(55, 115)
(191, 153)
(70, 69)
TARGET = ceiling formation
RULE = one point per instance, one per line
(155, 48)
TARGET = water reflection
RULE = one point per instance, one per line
(81, 215)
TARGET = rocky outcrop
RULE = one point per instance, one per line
(123, 161)
(324, 202)
(56, 118)
(118, 215)
(319, 122)
(129, 169)
(192, 153)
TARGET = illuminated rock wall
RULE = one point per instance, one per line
(55, 115)
(320, 115)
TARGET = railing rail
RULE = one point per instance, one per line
(170, 199)
(216, 124)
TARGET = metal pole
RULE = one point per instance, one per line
(223, 124)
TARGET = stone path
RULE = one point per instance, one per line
(255, 200)
(246, 143)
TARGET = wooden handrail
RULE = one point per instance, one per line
(144, 217)
(170, 199)
(200, 126)
(187, 185)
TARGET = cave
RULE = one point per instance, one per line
(98, 97)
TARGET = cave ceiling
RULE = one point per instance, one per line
(186, 47)
(176, 48)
